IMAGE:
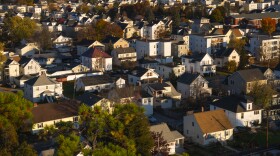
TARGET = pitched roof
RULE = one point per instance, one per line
(187, 78)
(168, 135)
(124, 50)
(110, 39)
(54, 111)
(95, 80)
(233, 103)
(212, 121)
(40, 81)
(24, 61)
(196, 56)
(158, 86)
(95, 52)
(224, 52)
(138, 71)
(122, 25)
(261, 68)
(89, 99)
(251, 74)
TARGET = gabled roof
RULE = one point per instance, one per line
(95, 52)
(261, 68)
(111, 39)
(89, 99)
(138, 71)
(96, 80)
(188, 78)
(158, 86)
(24, 61)
(212, 121)
(55, 111)
(224, 52)
(249, 75)
(40, 81)
(196, 56)
(233, 103)
(122, 25)
(167, 134)
(85, 42)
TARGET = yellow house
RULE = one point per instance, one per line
(115, 42)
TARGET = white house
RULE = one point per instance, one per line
(141, 75)
(62, 41)
(152, 30)
(153, 48)
(123, 54)
(50, 114)
(239, 110)
(164, 70)
(207, 43)
(165, 95)
(180, 48)
(28, 49)
(28, 66)
(201, 63)
(145, 100)
(96, 59)
(11, 70)
(193, 85)
(42, 88)
(98, 83)
(174, 139)
(223, 56)
(208, 127)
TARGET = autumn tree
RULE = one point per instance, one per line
(161, 146)
(239, 46)
(268, 25)
(18, 28)
(129, 65)
(231, 66)
(83, 8)
(216, 16)
(44, 38)
(149, 15)
(3, 58)
(176, 19)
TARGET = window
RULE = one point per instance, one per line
(242, 115)
(75, 119)
(249, 106)
(256, 112)
(192, 123)
(145, 101)
(47, 87)
(40, 125)
(227, 133)
(233, 57)
(37, 88)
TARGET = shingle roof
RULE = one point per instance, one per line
(158, 86)
(168, 135)
(54, 111)
(258, 15)
(89, 99)
(196, 56)
(40, 80)
(95, 80)
(224, 52)
(212, 121)
(138, 71)
(110, 39)
(124, 50)
(187, 78)
(251, 75)
(233, 103)
(24, 61)
(95, 52)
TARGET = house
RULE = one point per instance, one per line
(27, 49)
(148, 63)
(28, 66)
(111, 42)
(230, 34)
(62, 41)
(84, 45)
(277, 71)
(242, 81)
(146, 101)
(152, 30)
(123, 54)
(240, 110)
(42, 88)
(80, 69)
(193, 85)
(128, 29)
(96, 83)
(165, 95)
(179, 48)
(201, 63)
(208, 127)
(225, 55)
(264, 47)
(164, 70)
(20, 80)
(174, 139)
(200, 43)
(153, 48)
(141, 75)
(267, 72)
(96, 59)
(49, 114)
(93, 100)
(201, 26)
(11, 70)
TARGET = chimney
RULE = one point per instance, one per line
(35, 105)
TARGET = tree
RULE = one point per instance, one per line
(3, 58)
(43, 38)
(18, 28)
(173, 78)
(176, 19)
(26, 149)
(161, 145)
(231, 66)
(268, 25)
(112, 150)
(239, 46)
(216, 16)
(129, 65)
(149, 15)
(67, 145)
(83, 8)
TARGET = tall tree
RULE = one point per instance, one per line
(149, 15)
(18, 28)
(43, 38)
(68, 145)
(161, 145)
(176, 19)
(268, 25)
(216, 16)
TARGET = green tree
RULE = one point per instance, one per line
(173, 78)
(43, 38)
(231, 66)
(25, 149)
(18, 28)
(112, 150)
(216, 16)
(8, 137)
(149, 15)
(268, 25)
(68, 145)
(176, 19)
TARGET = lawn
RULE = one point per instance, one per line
(68, 89)
(246, 140)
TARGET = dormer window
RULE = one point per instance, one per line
(249, 106)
